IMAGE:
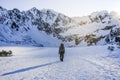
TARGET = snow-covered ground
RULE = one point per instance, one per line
(83, 63)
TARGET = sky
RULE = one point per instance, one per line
(71, 8)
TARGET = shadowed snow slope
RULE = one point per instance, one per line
(35, 63)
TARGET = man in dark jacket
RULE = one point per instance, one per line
(61, 51)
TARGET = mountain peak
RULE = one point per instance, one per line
(41, 27)
(2, 9)
(33, 9)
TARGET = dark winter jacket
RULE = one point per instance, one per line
(61, 49)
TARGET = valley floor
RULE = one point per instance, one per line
(83, 63)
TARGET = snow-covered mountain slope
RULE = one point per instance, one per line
(49, 28)
(35, 63)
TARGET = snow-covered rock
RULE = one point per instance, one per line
(49, 28)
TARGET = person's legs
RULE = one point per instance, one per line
(60, 57)
(63, 56)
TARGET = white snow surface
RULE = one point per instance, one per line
(42, 63)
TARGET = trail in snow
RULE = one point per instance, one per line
(29, 68)
(85, 63)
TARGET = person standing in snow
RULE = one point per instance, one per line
(61, 51)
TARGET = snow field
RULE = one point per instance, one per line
(83, 63)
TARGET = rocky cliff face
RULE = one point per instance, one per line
(49, 28)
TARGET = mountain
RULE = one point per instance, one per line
(48, 28)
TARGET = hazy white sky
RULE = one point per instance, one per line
(68, 7)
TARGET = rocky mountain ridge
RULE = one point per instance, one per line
(49, 28)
